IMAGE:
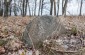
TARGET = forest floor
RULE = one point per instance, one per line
(74, 21)
(12, 28)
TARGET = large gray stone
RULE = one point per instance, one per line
(41, 27)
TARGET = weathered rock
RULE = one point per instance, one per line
(41, 27)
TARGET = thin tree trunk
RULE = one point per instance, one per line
(54, 7)
(58, 7)
(15, 13)
(1, 10)
(65, 7)
(23, 5)
(62, 7)
(0, 4)
(42, 6)
(81, 7)
(6, 4)
(6, 8)
(10, 11)
(35, 7)
(51, 8)
(29, 8)
(26, 7)
(39, 7)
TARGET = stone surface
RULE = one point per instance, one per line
(40, 28)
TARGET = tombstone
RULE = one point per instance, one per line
(40, 28)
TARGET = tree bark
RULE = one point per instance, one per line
(35, 7)
(54, 7)
(23, 8)
(51, 7)
(26, 7)
(42, 6)
(81, 7)
(58, 7)
(64, 8)
(39, 7)
(15, 12)
(6, 4)
(1, 10)
(29, 8)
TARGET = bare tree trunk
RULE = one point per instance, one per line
(58, 7)
(42, 6)
(0, 4)
(51, 8)
(15, 12)
(81, 7)
(1, 10)
(29, 8)
(6, 8)
(23, 7)
(54, 7)
(64, 8)
(7, 4)
(39, 7)
(26, 7)
(10, 10)
(35, 7)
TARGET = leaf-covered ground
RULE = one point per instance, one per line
(13, 25)
(12, 28)
(74, 21)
